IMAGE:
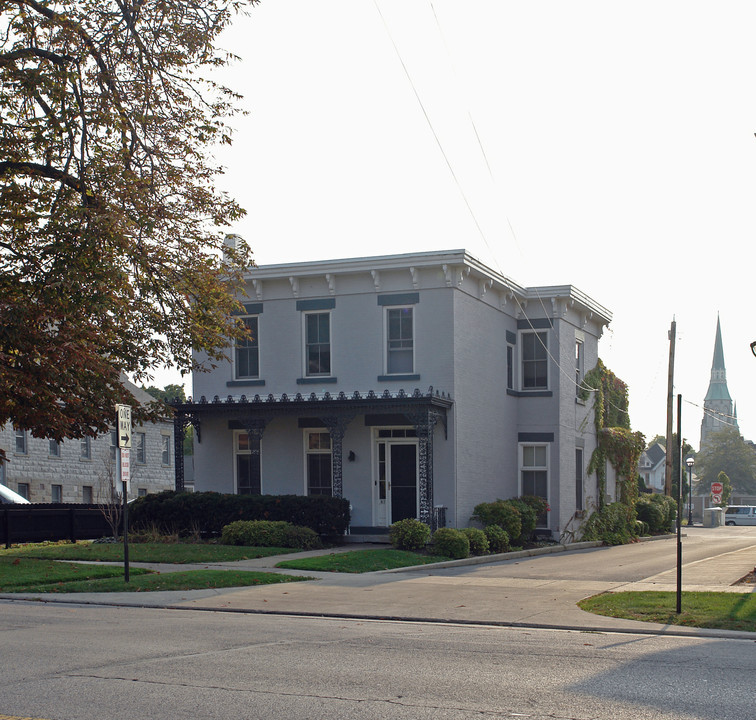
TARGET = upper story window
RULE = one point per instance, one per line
(535, 361)
(113, 445)
(86, 448)
(579, 365)
(247, 351)
(317, 339)
(140, 440)
(54, 448)
(20, 442)
(400, 341)
(165, 450)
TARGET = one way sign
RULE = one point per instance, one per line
(123, 414)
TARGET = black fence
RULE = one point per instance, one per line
(51, 521)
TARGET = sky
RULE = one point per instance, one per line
(601, 144)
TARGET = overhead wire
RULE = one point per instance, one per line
(568, 375)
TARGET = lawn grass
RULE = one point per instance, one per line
(143, 552)
(719, 610)
(33, 575)
(360, 561)
(22, 572)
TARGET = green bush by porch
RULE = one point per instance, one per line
(409, 534)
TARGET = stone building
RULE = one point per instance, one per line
(81, 471)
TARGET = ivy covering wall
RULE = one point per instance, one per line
(617, 445)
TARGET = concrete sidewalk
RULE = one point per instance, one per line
(496, 590)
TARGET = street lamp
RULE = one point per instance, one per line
(689, 463)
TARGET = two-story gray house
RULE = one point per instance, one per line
(414, 385)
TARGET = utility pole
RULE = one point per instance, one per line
(670, 406)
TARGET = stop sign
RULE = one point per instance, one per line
(717, 488)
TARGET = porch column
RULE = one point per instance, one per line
(336, 428)
(179, 425)
(180, 422)
(425, 423)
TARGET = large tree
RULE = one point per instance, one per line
(111, 227)
(726, 451)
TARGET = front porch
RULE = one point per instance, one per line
(410, 494)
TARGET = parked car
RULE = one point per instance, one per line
(11, 497)
(740, 515)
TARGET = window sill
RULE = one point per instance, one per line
(328, 380)
(245, 383)
(530, 393)
(390, 378)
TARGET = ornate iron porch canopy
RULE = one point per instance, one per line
(422, 410)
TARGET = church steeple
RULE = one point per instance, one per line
(718, 405)
(718, 383)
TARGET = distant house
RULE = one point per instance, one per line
(652, 467)
(414, 385)
(80, 471)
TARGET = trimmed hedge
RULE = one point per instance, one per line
(498, 539)
(451, 543)
(409, 534)
(477, 539)
(270, 533)
(207, 513)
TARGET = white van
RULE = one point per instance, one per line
(741, 515)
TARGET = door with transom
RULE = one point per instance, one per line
(395, 496)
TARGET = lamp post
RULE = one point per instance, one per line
(689, 462)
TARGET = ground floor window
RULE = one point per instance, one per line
(87, 495)
(248, 475)
(24, 490)
(319, 466)
(579, 476)
(534, 475)
(56, 493)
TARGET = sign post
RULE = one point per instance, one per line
(123, 423)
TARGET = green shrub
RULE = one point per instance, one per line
(528, 519)
(185, 513)
(477, 539)
(451, 543)
(502, 513)
(303, 538)
(651, 513)
(669, 510)
(258, 533)
(538, 504)
(498, 539)
(614, 524)
(409, 534)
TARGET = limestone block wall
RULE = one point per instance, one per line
(78, 473)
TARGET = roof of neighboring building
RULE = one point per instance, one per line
(656, 454)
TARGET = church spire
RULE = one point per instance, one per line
(718, 383)
(718, 405)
